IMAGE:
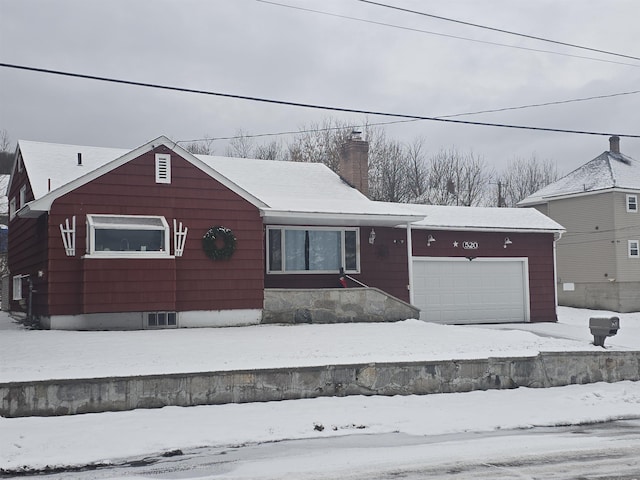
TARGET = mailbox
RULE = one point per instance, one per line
(603, 327)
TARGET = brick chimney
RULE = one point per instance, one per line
(614, 144)
(354, 162)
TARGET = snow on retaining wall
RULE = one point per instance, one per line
(65, 397)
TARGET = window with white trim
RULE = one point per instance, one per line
(632, 203)
(12, 208)
(634, 248)
(23, 196)
(127, 236)
(312, 250)
(161, 319)
(163, 168)
(17, 287)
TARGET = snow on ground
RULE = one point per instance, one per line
(28, 355)
(81, 439)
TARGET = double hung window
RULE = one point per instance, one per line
(632, 203)
(127, 236)
(634, 248)
(312, 250)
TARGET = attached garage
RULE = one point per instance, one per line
(483, 265)
(481, 290)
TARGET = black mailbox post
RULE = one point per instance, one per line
(603, 327)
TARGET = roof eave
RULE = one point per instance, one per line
(472, 228)
(285, 217)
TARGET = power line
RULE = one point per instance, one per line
(305, 105)
(508, 32)
(327, 129)
(457, 37)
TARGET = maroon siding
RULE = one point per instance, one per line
(382, 265)
(190, 282)
(537, 247)
(27, 243)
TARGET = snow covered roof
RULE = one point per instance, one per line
(299, 192)
(607, 171)
(287, 192)
(439, 217)
(294, 193)
(50, 165)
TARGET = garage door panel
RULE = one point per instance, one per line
(478, 291)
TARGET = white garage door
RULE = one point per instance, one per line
(456, 290)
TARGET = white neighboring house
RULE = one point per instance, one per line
(598, 258)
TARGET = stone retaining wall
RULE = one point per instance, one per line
(334, 305)
(65, 397)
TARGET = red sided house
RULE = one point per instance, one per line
(104, 238)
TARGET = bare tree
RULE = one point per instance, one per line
(458, 179)
(388, 168)
(320, 143)
(417, 172)
(5, 141)
(526, 176)
(201, 147)
(240, 146)
(270, 151)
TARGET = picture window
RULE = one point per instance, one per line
(127, 235)
(312, 250)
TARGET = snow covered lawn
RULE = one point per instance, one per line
(81, 439)
(28, 355)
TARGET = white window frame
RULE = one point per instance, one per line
(163, 168)
(128, 221)
(634, 248)
(17, 287)
(12, 208)
(632, 203)
(23, 196)
(284, 271)
(166, 315)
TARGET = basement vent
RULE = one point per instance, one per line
(161, 319)
(163, 168)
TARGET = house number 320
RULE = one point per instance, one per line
(470, 245)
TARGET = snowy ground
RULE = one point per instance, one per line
(81, 439)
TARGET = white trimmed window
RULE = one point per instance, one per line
(161, 319)
(23, 196)
(632, 203)
(634, 248)
(312, 250)
(163, 168)
(17, 287)
(127, 236)
(12, 208)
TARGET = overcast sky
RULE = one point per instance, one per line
(252, 48)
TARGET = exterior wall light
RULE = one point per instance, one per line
(372, 237)
(430, 240)
(507, 241)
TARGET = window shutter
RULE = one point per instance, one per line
(163, 168)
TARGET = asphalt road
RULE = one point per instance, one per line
(599, 451)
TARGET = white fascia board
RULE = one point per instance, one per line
(487, 229)
(36, 208)
(280, 217)
(564, 196)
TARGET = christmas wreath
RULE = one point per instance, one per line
(219, 243)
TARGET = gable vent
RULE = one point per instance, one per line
(163, 168)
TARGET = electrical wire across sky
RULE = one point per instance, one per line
(303, 104)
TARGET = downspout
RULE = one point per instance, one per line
(410, 265)
(557, 236)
